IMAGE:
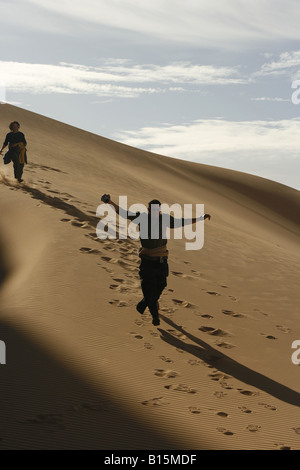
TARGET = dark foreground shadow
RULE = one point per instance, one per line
(4, 264)
(229, 366)
(45, 405)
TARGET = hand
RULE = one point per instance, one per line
(207, 216)
(104, 198)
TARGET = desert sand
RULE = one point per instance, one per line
(83, 369)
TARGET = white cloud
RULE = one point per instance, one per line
(265, 148)
(217, 135)
(112, 78)
(206, 24)
(281, 66)
(113, 70)
(208, 138)
(67, 79)
(268, 98)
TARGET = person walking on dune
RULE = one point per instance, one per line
(16, 149)
(153, 252)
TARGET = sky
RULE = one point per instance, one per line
(211, 81)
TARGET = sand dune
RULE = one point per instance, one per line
(84, 369)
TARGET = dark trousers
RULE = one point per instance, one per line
(153, 275)
(18, 167)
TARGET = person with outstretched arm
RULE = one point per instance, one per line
(154, 268)
(16, 149)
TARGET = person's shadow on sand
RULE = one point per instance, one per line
(225, 364)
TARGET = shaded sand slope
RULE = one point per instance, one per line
(84, 369)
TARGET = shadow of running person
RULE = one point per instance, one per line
(225, 364)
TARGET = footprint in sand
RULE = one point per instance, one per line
(154, 333)
(297, 430)
(268, 336)
(225, 431)
(183, 276)
(196, 273)
(177, 334)
(181, 388)
(50, 422)
(216, 376)
(283, 447)
(206, 315)
(65, 220)
(213, 331)
(109, 247)
(119, 288)
(96, 406)
(123, 264)
(137, 336)
(108, 259)
(108, 270)
(224, 344)
(194, 362)
(212, 293)
(231, 313)
(183, 303)
(268, 407)
(285, 329)
(181, 351)
(85, 249)
(160, 401)
(244, 409)
(225, 385)
(253, 428)
(129, 257)
(123, 250)
(79, 223)
(178, 274)
(118, 303)
(94, 236)
(168, 374)
(248, 393)
(115, 287)
(222, 414)
(165, 359)
(262, 313)
(148, 346)
(194, 410)
(167, 311)
(220, 394)
(53, 191)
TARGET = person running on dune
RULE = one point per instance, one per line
(154, 268)
(17, 149)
